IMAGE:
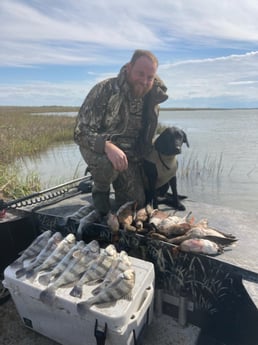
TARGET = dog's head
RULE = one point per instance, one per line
(170, 141)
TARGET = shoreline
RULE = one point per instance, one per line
(58, 108)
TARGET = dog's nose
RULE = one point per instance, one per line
(178, 149)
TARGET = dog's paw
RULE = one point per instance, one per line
(170, 201)
(180, 207)
(179, 196)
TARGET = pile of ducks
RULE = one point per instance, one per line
(184, 232)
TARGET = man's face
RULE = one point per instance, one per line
(141, 75)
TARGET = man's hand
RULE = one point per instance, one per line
(116, 156)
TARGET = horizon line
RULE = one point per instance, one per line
(161, 108)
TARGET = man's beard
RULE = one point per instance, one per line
(138, 90)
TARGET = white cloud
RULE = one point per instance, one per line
(82, 29)
(44, 93)
(230, 20)
(190, 83)
(232, 76)
(191, 36)
(34, 53)
(114, 24)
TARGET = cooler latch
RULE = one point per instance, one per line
(100, 335)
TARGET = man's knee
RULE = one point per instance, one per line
(100, 167)
(129, 188)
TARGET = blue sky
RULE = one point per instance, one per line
(53, 51)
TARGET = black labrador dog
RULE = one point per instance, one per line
(160, 167)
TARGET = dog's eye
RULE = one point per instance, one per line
(178, 135)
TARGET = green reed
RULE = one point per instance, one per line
(23, 134)
(208, 167)
(12, 186)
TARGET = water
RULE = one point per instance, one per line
(220, 167)
(56, 165)
(225, 141)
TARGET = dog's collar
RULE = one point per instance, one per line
(162, 161)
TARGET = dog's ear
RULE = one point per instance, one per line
(161, 143)
(185, 140)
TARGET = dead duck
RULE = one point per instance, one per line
(142, 217)
(157, 216)
(196, 232)
(209, 231)
(112, 222)
(201, 246)
(126, 215)
(174, 225)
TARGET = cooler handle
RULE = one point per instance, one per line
(100, 335)
(144, 304)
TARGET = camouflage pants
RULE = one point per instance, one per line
(128, 185)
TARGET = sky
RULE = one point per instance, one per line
(53, 52)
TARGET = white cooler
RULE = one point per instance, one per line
(120, 324)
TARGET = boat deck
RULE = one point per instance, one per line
(165, 330)
(240, 257)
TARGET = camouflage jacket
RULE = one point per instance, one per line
(105, 113)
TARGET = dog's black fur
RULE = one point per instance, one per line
(167, 145)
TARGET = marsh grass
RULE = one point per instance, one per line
(23, 134)
(208, 167)
(12, 186)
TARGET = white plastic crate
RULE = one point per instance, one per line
(61, 322)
